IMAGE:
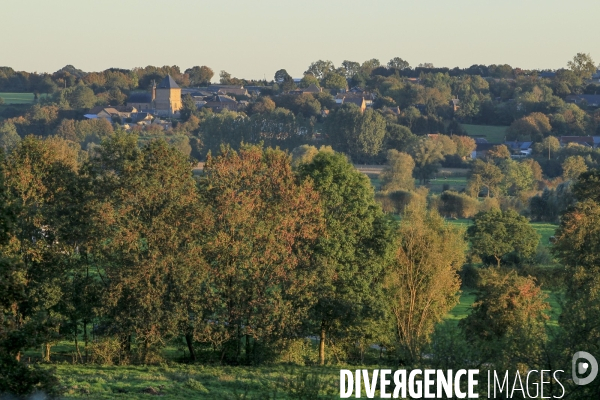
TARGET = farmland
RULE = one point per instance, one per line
(493, 134)
(17, 98)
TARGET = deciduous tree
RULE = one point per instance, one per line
(495, 234)
(422, 282)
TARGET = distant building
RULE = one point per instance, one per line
(311, 89)
(588, 141)
(164, 99)
(220, 102)
(482, 149)
(521, 148)
(359, 101)
(592, 100)
(110, 113)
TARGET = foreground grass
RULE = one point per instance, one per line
(179, 381)
(493, 134)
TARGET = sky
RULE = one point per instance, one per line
(253, 39)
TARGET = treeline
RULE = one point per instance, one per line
(126, 252)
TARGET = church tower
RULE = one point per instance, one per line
(168, 96)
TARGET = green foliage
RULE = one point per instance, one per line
(260, 285)
(145, 216)
(485, 175)
(573, 166)
(496, 234)
(358, 134)
(9, 138)
(397, 174)
(507, 320)
(349, 255)
(458, 205)
(427, 155)
(588, 186)
(422, 281)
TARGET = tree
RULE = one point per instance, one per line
(261, 282)
(534, 127)
(263, 105)
(81, 97)
(576, 246)
(200, 76)
(9, 138)
(335, 81)
(573, 166)
(495, 234)
(16, 378)
(368, 66)
(350, 252)
(550, 145)
(281, 76)
(588, 186)
(427, 154)
(422, 281)
(536, 169)
(464, 146)
(351, 67)
(145, 224)
(518, 176)
(359, 134)
(188, 107)
(398, 137)
(319, 69)
(507, 321)
(499, 152)
(398, 172)
(308, 80)
(582, 65)
(224, 77)
(398, 63)
(486, 175)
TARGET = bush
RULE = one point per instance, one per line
(457, 205)
(105, 351)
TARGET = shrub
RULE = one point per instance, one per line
(105, 351)
(457, 205)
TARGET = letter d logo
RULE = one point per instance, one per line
(582, 367)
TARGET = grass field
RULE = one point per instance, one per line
(456, 183)
(493, 134)
(198, 382)
(17, 98)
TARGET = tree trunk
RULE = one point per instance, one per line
(322, 345)
(47, 353)
(77, 346)
(190, 344)
(85, 339)
(18, 356)
(248, 349)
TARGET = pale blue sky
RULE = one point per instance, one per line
(251, 39)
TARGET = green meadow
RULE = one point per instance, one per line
(493, 134)
(17, 98)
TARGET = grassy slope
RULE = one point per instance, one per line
(493, 134)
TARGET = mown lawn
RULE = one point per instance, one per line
(493, 134)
